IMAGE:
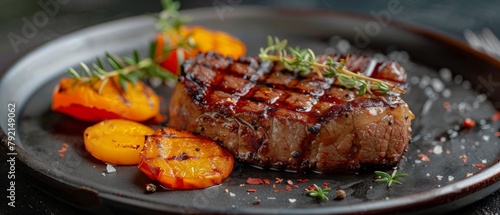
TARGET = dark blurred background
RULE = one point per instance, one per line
(448, 17)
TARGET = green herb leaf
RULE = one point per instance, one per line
(389, 179)
(319, 193)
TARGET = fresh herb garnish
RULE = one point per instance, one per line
(318, 193)
(133, 69)
(389, 179)
(305, 61)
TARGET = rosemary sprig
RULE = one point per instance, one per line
(128, 70)
(318, 193)
(133, 69)
(304, 61)
(389, 179)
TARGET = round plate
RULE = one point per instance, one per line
(449, 166)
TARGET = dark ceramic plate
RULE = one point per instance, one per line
(442, 73)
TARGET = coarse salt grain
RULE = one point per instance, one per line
(232, 194)
(427, 174)
(439, 177)
(110, 168)
(450, 178)
(484, 161)
(486, 138)
(292, 200)
(271, 198)
(418, 161)
(438, 149)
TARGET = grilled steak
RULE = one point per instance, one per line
(278, 119)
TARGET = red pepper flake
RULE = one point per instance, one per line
(424, 157)
(479, 165)
(464, 158)
(311, 187)
(496, 116)
(278, 190)
(469, 123)
(302, 180)
(274, 185)
(278, 180)
(289, 182)
(448, 152)
(446, 105)
(326, 184)
(430, 151)
(63, 149)
(254, 181)
(288, 188)
(266, 181)
(497, 133)
(251, 190)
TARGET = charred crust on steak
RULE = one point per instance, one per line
(274, 118)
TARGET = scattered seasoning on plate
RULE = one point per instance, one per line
(469, 123)
(232, 194)
(110, 168)
(150, 188)
(446, 105)
(289, 182)
(251, 190)
(278, 190)
(226, 190)
(254, 181)
(439, 177)
(302, 180)
(340, 194)
(464, 158)
(256, 201)
(450, 178)
(438, 149)
(292, 200)
(326, 184)
(479, 165)
(278, 180)
(288, 188)
(266, 181)
(469, 174)
(62, 150)
(495, 116)
(424, 157)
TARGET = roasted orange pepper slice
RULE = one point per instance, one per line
(181, 160)
(116, 141)
(206, 40)
(83, 101)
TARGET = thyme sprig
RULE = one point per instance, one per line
(389, 179)
(319, 193)
(131, 69)
(304, 61)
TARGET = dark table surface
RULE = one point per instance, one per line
(448, 17)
